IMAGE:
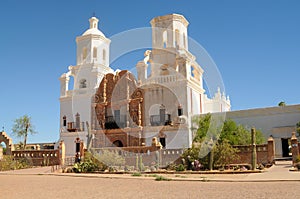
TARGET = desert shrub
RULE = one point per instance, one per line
(297, 159)
(171, 166)
(224, 153)
(180, 167)
(9, 163)
(89, 164)
(110, 158)
(162, 178)
(136, 174)
(85, 167)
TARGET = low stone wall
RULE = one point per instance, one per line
(245, 154)
(162, 157)
(150, 155)
(171, 156)
(38, 157)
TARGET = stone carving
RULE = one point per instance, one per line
(147, 55)
(115, 92)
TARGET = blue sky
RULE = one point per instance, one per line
(255, 44)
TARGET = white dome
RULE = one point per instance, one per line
(93, 31)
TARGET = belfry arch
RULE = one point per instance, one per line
(8, 142)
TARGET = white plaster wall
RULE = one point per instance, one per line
(82, 105)
(100, 44)
(69, 140)
(178, 139)
(79, 52)
(174, 139)
(66, 110)
(216, 104)
(183, 31)
(196, 102)
(267, 120)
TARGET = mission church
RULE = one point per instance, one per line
(107, 108)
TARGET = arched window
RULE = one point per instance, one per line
(177, 39)
(165, 39)
(82, 83)
(180, 110)
(95, 52)
(64, 120)
(84, 53)
(104, 56)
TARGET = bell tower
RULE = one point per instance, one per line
(169, 31)
(93, 46)
(170, 45)
(92, 63)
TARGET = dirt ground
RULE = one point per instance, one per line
(49, 186)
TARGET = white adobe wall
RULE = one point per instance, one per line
(69, 140)
(271, 121)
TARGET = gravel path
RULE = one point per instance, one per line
(48, 186)
(276, 182)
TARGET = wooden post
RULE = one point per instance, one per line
(253, 141)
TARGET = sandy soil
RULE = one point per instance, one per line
(47, 186)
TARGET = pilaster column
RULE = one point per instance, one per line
(295, 149)
(271, 150)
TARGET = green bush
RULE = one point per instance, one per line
(110, 158)
(85, 167)
(162, 178)
(297, 159)
(89, 164)
(137, 174)
(8, 163)
(180, 167)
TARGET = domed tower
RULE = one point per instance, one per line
(169, 41)
(175, 83)
(92, 56)
(92, 63)
(93, 46)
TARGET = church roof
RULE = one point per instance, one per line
(93, 30)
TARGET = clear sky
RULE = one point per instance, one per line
(255, 44)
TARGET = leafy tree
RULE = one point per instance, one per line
(260, 138)
(298, 128)
(239, 135)
(232, 133)
(224, 154)
(223, 151)
(202, 125)
(22, 126)
(282, 103)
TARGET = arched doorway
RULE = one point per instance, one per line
(8, 142)
(118, 143)
(2, 150)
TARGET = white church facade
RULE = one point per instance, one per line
(168, 96)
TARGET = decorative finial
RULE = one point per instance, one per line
(2, 128)
(94, 14)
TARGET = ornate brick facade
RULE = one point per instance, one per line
(118, 115)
